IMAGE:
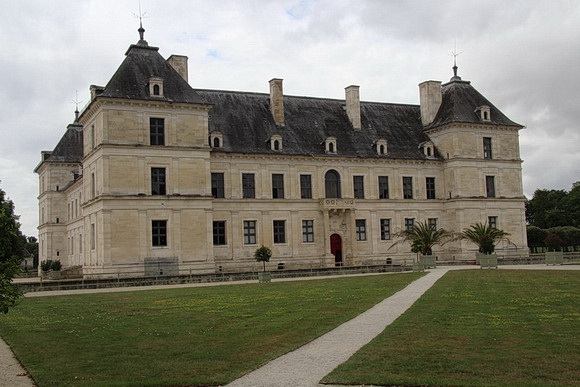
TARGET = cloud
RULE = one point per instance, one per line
(521, 55)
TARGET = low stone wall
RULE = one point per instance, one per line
(73, 284)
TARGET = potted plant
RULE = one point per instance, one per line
(55, 270)
(554, 254)
(263, 254)
(485, 237)
(423, 237)
(45, 267)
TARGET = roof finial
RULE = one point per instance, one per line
(76, 102)
(455, 55)
(141, 30)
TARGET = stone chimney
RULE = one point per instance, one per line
(277, 101)
(353, 106)
(179, 63)
(430, 97)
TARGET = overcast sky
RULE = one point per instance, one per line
(524, 56)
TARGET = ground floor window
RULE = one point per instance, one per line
(361, 230)
(432, 222)
(249, 232)
(409, 223)
(159, 232)
(219, 233)
(279, 231)
(307, 231)
(492, 221)
(385, 229)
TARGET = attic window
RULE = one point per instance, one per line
(484, 113)
(156, 87)
(216, 140)
(428, 149)
(381, 147)
(276, 142)
(330, 145)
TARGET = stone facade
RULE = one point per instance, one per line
(157, 178)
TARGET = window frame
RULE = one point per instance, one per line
(277, 186)
(248, 185)
(217, 185)
(430, 190)
(385, 226)
(490, 191)
(358, 185)
(219, 233)
(307, 231)
(250, 232)
(305, 186)
(156, 131)
(407, 187)
(279, 231)
(409, 223)
(383, 182)
(158, 181)
(487, 148)
(159, 233)
(361, 230)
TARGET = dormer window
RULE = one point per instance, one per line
(216, 140)
(381, 147)
(156, 87)
(275, 142)
(330, 145)
(428, 149)
(484, 113)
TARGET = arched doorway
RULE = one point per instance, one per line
(336, 249)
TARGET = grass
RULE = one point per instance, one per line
(188, 336)
(479, 328)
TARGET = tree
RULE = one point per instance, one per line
(423, 237)
(11, 246)
(263, 254)
(484, 236)
(553, 208)
(536, 237)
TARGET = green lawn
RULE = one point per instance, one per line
(480, 328)
(188, 336)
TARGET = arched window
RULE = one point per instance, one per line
(216, 142)
(276, 145)
(331, 147)
(381, 149)
(332, 184)
(155, 89)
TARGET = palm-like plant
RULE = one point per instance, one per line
(484, 236)
(423, 237)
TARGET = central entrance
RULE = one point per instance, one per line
(336, 249)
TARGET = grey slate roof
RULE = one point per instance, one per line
(70, 147)
(459, 104)
(131, 79)
(246, 123)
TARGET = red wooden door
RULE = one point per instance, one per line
(336, 248)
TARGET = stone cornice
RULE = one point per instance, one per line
(472, 126)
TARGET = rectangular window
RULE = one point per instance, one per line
(383, 187)
(80, 243)
(279, 231)
(432, 222)
(307, 231)
(93, 236)
(490, 186)
(217, 185)
(93, 137)
(219, 233)
(407, 187)
(248, 186)
(249, 232)
(359, 187)
(158, 233)
(157, 131)
(93, 186)
(487, 148)
(430, 187)
(385, 229)
(361, 230)
(306, 186)
(409, 223)
(158, 181)
(492, 221)
(277, 186)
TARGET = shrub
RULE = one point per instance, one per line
(56, 265)
(46, 265)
